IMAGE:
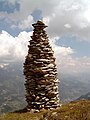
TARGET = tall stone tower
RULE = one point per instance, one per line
(40, 72)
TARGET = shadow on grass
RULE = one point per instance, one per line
(24, 110)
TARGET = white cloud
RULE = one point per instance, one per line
(67, 63)
(26, 23)
(60, 51)
(14, 48)
(3, 65)
(6, 42)
(73, 65)
(70, 14)
(62, 16)
(67, 26)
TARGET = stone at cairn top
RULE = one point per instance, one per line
(39, 25)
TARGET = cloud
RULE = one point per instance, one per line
(3, 65)
(70, 17)
(67, 26)
(59, 50)
(74, 66)
(67, 63)
(11, 1)
(24, 24)
(62, 16)
(14, 48)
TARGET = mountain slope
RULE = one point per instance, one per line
(12, 90)
(84, 97)
(79, 110)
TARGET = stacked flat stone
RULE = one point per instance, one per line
(40, 72)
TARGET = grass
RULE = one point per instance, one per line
(79, 110)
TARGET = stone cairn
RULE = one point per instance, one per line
(40, 72)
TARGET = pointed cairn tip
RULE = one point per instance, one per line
(39, 24)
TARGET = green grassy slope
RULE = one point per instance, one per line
(79, 110)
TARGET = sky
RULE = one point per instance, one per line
(68, 30)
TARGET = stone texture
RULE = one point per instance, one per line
(40, 72)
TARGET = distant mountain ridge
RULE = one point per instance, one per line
(84, 97)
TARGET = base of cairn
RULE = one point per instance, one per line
(43, 108)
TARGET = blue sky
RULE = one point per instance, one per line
(68, 29)
(80, 47)
(5, 6)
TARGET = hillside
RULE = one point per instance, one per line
(12, 89)
(84, 97)
(79, 110)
